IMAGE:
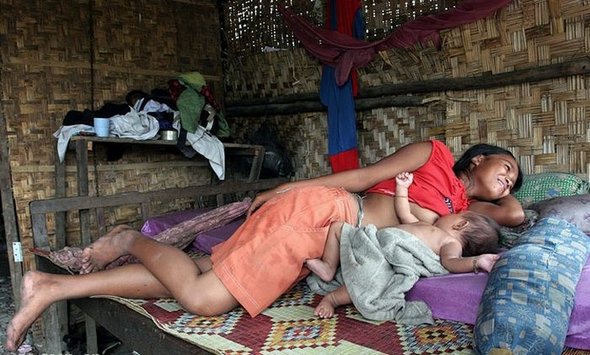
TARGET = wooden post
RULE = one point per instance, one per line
(9, 212)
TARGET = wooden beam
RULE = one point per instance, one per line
(9, 212)
(579, 66)
(403, 94)
(317, 106)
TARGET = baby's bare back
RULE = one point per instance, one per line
(432, 236)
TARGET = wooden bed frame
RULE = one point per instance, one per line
(134, 330)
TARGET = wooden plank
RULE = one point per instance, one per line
(82, 166)
(311, 102)
(145, 210)
(60, 191)
(243, 148)
(9, 211)
(100, 221)
(256, 164)
(580, 66)
(85, 202)
(54, 317)
(40, 232)
(137, 332)
(91, 336)
(52, 330)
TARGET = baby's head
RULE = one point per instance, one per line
(481, 235)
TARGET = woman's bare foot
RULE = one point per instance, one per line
(326, 307)
(106, 249)
(36, 296)
(322, 269)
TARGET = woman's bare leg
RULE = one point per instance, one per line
(326, 307)
(39, 290)
(165, 271)
(92, 262)
(172, 267)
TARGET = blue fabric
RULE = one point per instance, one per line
(358, 25)
(530, 292)
(333, 15)
(340, 99)
(341, 112)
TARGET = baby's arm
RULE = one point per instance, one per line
(485, 262)
(451, 258)
(400, 200)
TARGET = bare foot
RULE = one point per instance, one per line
(106, 249)
(321, 269)
(326, 307)
(35, 298)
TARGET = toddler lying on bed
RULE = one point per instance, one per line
(457, 238)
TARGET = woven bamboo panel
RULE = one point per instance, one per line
(546, 124)
(250, 25)
(381, 17)
(59, 55)
(272, 74)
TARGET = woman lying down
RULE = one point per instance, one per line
(287, 225)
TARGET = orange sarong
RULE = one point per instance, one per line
(265, 257)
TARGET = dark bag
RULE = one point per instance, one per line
(276, 159)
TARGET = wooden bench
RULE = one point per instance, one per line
(134, 330)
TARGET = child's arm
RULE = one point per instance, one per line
(400, 200)
(451, 259)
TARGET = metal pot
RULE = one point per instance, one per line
(169, 135)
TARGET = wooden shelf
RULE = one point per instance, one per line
(81, 145)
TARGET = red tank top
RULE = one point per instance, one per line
(435, 186)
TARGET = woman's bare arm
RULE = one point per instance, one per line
(407, 158)
(507, 211)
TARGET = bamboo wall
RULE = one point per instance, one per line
(62, 55)
(546, 124)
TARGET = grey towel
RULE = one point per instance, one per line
(378, 267)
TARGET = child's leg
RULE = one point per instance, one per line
(326, 267)
(332, 300)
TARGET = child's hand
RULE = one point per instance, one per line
(486, 262)
(404, 179)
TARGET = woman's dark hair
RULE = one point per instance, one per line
(463, 164)
(481, 236)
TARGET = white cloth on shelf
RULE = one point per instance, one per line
(141, 126)
(135, 125)
(63, 135)
(208, 146)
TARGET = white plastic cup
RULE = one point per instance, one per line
(102, 126)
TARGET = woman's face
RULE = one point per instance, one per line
(493, 176)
